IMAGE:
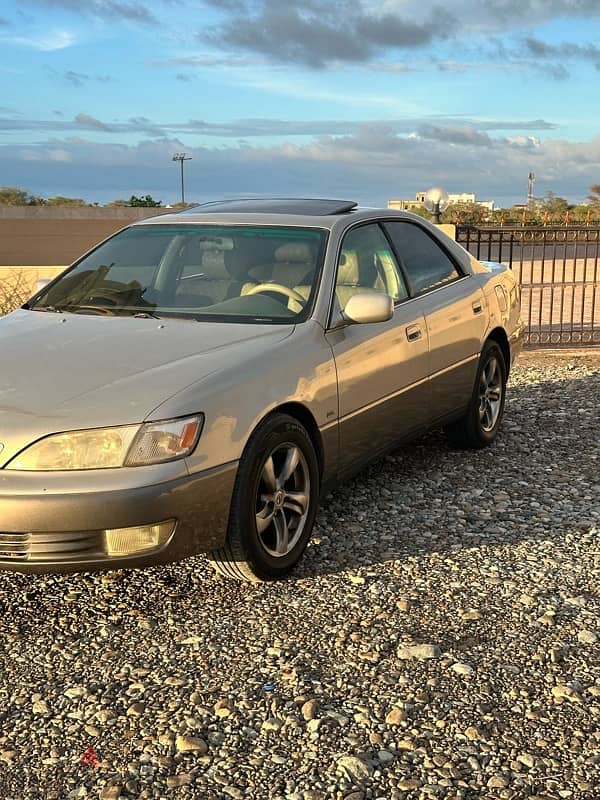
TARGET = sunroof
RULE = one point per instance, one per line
(275, 205)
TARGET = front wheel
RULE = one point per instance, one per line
(480, 424)
(274, 503)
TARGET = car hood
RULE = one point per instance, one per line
(67, 371)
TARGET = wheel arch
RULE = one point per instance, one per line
(499, 336)
(304, 416)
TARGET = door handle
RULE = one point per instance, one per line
(413, 332)
(477, 307)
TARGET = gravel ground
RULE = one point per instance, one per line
(440, 639)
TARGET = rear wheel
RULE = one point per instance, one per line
(274, 503)
(479, 426)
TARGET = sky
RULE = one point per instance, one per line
(355, 99)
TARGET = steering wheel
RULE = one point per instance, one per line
(94, 310)
(278, 287)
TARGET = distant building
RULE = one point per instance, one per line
(419, 201)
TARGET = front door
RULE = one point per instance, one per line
(381, 367)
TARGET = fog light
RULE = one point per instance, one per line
(128, 541)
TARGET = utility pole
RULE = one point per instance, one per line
(181, 157)
(530, 187)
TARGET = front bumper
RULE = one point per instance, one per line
(62, 532)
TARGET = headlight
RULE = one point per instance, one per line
(104, 448)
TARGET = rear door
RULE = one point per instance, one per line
(381, 367)
(454, 310)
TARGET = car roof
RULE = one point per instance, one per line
(275, 205)
(288, 211)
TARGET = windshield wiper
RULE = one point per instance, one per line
(51, 309)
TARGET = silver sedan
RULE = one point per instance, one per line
(195, 382)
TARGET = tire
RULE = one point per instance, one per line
(480, 424)
(274, 503)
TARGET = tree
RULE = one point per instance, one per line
(12, 196)
(466, 213)
(147, 201)
(59, 200)
(594, 197)
(554, 205)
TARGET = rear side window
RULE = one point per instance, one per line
(426, 265)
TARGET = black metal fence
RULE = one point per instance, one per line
(559, 272)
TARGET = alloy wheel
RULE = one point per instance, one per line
(282, 500)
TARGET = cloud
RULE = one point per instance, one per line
(462, 128)
(462, 136)
(315, 33)
(47, 41)
(86, 121)
(371, 165)
(564, 51)
(128, 10)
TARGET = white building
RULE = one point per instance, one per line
(463, 197)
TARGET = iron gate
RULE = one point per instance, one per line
(559, 272)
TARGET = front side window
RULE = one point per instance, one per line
(367, 264)
(220, 273)
(425, 263)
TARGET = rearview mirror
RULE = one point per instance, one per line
(368, 307)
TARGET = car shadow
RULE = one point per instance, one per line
(537, 478)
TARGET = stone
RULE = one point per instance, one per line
(587, 637)
(497, 782)
(272, 725)
(190, 744)
(173, 781)
(408, 784)
(462, 669)
(419, 651)
(395, 716)
(309, 709)
(357, 768)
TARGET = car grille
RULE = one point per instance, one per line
(30, 547)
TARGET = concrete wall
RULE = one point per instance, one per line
(40, 236)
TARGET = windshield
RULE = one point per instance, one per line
(231, 273)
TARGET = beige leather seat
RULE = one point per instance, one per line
(349, 279)
(293, 263)
(214, 280)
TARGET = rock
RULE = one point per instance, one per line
(385, 756)
(183, 779)
(462, 669)
(234, 792)
(562, 692)
(223, 707)
(587, 637)
(357, 768)
(408, 784)
(272, 725)
(111, 791)
(419, 651)
(473, 734)
(190, 744)
(526, 759)
(136, 710)
(497, 782)
(309, 709)
(395, 716)
(40, 707)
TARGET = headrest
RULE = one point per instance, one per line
(348, 268)
(294, 251)
(213, 265)
(215, 243)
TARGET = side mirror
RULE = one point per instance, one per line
(367, 307)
